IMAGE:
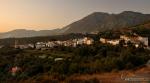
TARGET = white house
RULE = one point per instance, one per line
(124, 37)
(40, 45)
(113, 42)
(58, 59)
(110, 41)
(144, 40)
(135, 39)
(50, 44)
(80, 42)
(74, 43)
(88, 41)
(103, 40)
(85, 40)
(24, 46)
(31, 45)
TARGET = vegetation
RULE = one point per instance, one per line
(97, 58)
(40, 65)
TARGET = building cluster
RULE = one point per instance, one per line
(136, 40)
(110, 41)
(24, 46)
(72, 43)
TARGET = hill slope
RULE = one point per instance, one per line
(95, 22)
(99, 21)
(19, 33)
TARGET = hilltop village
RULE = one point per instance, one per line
(63, 56)
(135, 39)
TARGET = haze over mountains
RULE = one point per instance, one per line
(94, 22)
(19, 33)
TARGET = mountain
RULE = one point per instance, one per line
(94, 22)
(100, 21)
(19, 33)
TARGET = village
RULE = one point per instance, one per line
(135, 39)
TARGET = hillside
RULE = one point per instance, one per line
(84, 64)
(94, 22)
(19, 33)
(142, 29)
(99, 21)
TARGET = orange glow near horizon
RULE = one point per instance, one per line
(52, 14)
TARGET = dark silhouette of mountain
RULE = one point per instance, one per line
(99, 21)
(94, 22)
(19, 33)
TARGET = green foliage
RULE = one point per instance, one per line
(83, 60)
(141, 30)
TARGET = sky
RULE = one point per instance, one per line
(52, 14)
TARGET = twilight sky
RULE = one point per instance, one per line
(50, 14)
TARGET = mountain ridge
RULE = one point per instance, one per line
(19, 33)
(95, 22)
(99, 21)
